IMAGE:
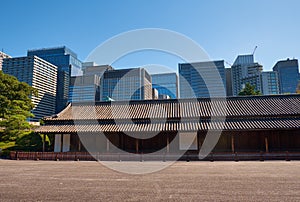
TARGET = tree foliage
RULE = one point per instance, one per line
(15, 105)
(249, 90)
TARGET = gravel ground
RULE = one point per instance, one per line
(182, 181)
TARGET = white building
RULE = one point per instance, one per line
(3, 56)
(39, 74)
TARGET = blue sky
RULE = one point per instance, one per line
(224, 29)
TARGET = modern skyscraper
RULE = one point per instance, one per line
(84, 88)
(298, 87)
(269, 83)
(288, 74)
(245, 70)
(192, 77)
(68, 65)
(166, 84)
(90, 68)
(126, 84)
(228, 81)
(3, 56)
(39, 74)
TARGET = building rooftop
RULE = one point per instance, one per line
(232, 113)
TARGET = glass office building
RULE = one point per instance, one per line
(194, 79)
(245, 70)
(84, 88)
(39, 74)
(68, 65)
(166, 84)
(269, 83)
(126, 84)
(288, 75)
(228, 81)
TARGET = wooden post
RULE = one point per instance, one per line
(107, 144)
(267, 144)
(137, 145)
(121, 142)
(168, 144)
(44, 140)
(61, 142)
(79, 143)
(232, 143)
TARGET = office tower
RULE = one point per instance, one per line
(84, 88)
(192, 77)
(228, 81)
(68, 65)
(166, 84)
(154, 94)
(126, 84)
(3, 56)
(245, 70)
(288, 75)
(269, 83)
(298, 87)
(90, 68)
(39, 74)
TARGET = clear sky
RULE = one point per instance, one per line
(224, 28)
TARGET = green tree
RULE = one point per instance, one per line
(15, 105)
(249, 90)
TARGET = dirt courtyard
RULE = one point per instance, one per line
(182, 181)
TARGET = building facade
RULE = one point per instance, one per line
(256, 127)
(3, 56)
(39, 74)
(90, 68)
(245, 70)
(68, 65)
(126, 84)
(200, 80)
(269, 83)
(288, 75)
(228, 81)
(84, 88)
(166, 84)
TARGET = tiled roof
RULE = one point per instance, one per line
(242, 113)
(251, 124)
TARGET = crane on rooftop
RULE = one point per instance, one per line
(254, 50)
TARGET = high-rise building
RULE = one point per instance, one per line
(196, 78)
(39, 74)
(3, 56)
(90, 68)
(68, 65)
(228, 81)
(245, 70)
(269, 83)
(84, 88)
(288, 74)
(166, 84)
(126, 84)
(298, 87)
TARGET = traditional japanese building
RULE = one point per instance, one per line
(253, 124)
